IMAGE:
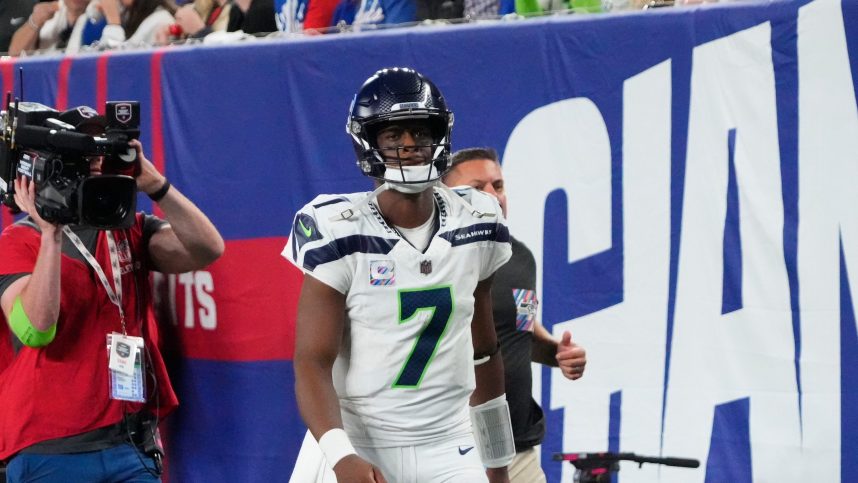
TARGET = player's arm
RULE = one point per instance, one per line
(489, 373)
(318, 334)
(488, 401)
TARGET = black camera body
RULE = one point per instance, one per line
(57, 155)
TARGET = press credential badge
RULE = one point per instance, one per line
(123, 351)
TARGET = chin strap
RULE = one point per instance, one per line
(456, 196)
(355, 208)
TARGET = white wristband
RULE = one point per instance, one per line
(335, 445)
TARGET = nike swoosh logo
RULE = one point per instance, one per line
(16, 21)
(308, 232)
(465, 451)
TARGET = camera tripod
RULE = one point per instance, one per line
(598, 467)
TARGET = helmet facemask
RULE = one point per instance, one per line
(410, 154)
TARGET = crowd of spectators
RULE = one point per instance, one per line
(38, 26)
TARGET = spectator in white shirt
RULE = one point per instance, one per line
(135, 21)
(51, 26)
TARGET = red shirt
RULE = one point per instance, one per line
(62, 389)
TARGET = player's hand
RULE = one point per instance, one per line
(354, 469)
(497, 475)
(25, 198)
(571, 358)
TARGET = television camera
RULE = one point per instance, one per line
(598, 467)
(55, 149)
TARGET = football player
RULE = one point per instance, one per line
(398, 373)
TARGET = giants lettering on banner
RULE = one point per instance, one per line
(732, 335)
(196, 289)
(241, 308)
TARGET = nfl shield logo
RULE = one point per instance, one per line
(426, 267)
(123, 112)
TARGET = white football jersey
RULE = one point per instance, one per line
(405, 371)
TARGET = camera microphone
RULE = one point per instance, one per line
(43, 137)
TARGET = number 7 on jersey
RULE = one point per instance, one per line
(437, 303)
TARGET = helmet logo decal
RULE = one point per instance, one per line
(408, 105)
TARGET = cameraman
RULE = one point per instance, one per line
(65, 416)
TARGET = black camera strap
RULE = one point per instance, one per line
(114, 295)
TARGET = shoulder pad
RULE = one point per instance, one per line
(479, 200)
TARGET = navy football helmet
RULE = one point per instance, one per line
(398, 95)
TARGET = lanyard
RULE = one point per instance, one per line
(114, 295)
